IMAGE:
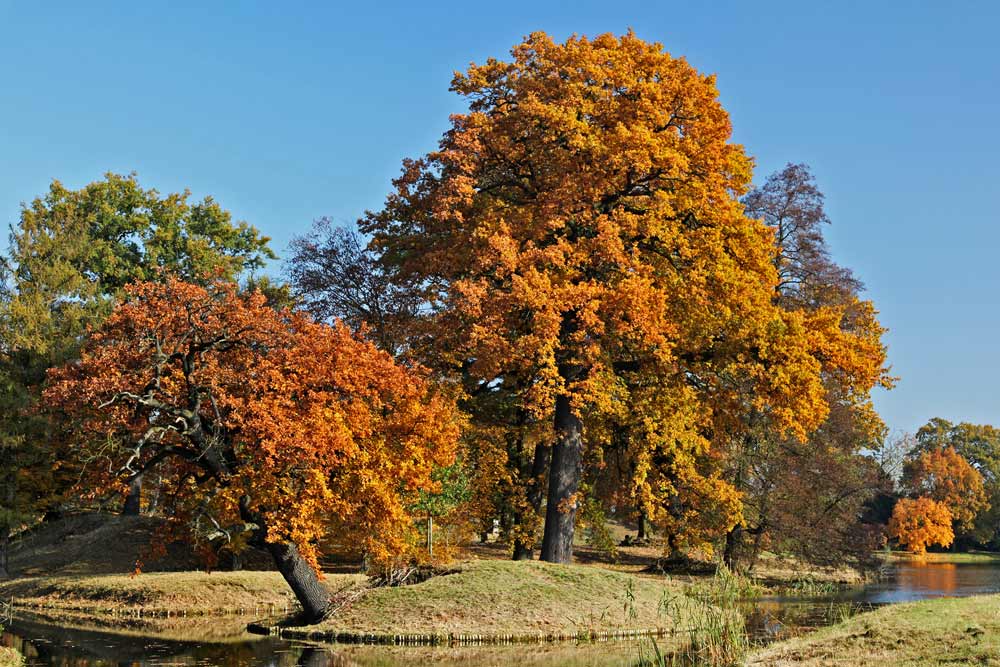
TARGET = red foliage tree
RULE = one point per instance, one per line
(265, 426)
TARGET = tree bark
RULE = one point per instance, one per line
(564, 482)
(430, 535)
(524, 550)
(308, 589)
(730, 557)
(640, 533)
(134, 497)
(301, 578)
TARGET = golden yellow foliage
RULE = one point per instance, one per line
(579, 235)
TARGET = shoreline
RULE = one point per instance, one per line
(937, 631)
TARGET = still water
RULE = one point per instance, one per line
(201, 642)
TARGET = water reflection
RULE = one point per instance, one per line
(917, 580)
(46, 645)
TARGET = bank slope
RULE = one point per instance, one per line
(9, 657)
(493, 598)
(957, 631)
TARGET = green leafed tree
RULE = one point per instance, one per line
(70, 254)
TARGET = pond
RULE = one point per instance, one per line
(202, 642)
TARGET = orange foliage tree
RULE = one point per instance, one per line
(265, 426)
(917, 524)
(579, 238)
(945, 476)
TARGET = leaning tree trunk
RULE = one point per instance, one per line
(132, 500)
(523, 549)
(308, 589)
(300, 576)
(564, 482)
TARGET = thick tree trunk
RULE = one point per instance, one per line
(640, 533)
(730, 555)
(134, 497)
(564, 482)
(301, 578)
(308, 589)
(523, 550)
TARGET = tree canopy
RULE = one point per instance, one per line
(578, 234)
(261, 423)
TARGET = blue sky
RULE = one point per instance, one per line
(290, 112)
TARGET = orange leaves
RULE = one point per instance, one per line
(918, 524)
(945, 476)
(302, 428)
(584, 212)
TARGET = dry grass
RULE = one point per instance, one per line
(774, 569)
(954, 631)
(9, 657)
(504, 597)
(154, 593)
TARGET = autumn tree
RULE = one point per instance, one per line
(804, 495)
(578, 234)
(70, 255)
(264, 425)
(919, 523)
(946, 477)
(979, 445)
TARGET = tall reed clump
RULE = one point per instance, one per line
(707, 618)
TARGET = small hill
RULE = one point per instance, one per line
(98, 543)
(506, 597)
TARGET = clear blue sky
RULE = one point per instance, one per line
(289, 112)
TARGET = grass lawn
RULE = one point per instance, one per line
(154, 593)
(953, 631)
(483, 597)
(504, 597)
(9, 657)
(958, 557)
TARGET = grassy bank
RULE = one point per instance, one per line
(957, 631)
(482, 597)
(511, 598)
(76, 570)
(9, 657)
(153, 594)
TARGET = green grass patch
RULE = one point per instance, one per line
(963, 557)
(955, 631)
